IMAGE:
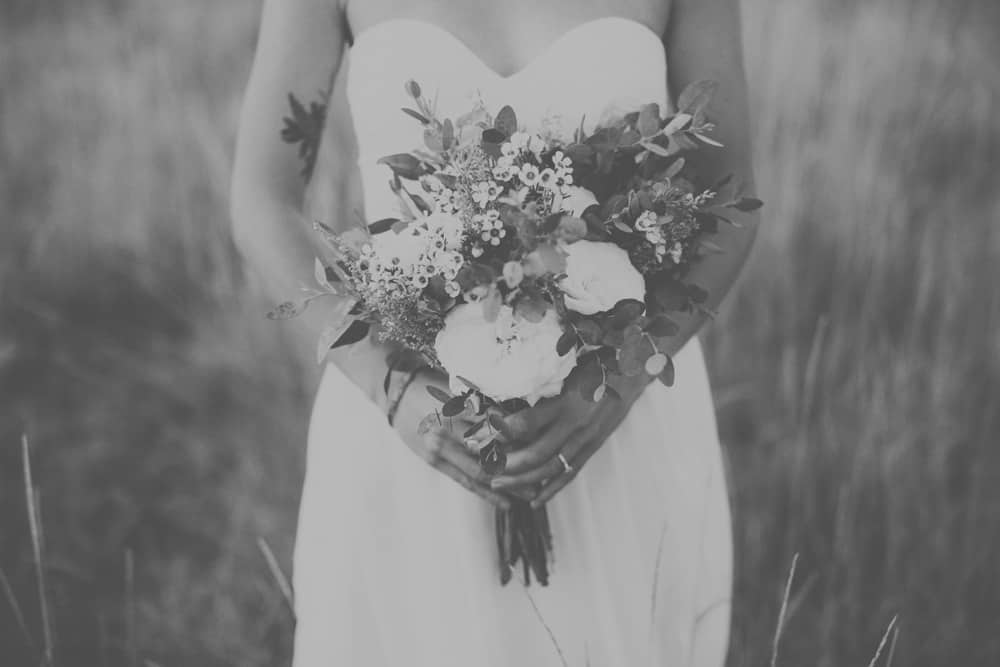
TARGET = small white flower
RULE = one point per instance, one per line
(485, 192)
(547, 179)
(448, 228)
(529, 174)
(536, 145)
(647, 221)
(503, 173)
(452, 289)
(677, 252)
(519, 141)
(561, 161)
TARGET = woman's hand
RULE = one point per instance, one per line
(563, 433)
(438, 440)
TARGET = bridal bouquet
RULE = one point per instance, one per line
(527, 264)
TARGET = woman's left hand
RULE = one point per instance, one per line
(561, 434)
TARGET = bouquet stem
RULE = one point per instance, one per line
(523, 536)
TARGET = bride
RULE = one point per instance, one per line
(395, 560)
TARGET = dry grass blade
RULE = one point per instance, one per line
(541, 619)
(783, 612)
(16, 610)
(35, 524)
(885, 639)
(892, 646)
(130, 640)
(279, 577)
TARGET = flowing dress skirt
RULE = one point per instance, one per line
(395, 564)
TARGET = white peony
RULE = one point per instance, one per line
(599, 275)
(508, 358)
(576, 200)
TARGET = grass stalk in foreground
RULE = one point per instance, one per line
(784, 611)
(37, 548)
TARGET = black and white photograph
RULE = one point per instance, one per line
(466, 333)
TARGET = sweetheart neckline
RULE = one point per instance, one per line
(367, 34)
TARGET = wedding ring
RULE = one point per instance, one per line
(567, 468)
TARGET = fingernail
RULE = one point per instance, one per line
(499, 482)
(535, 504)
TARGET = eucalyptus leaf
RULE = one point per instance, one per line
(667, 375)
(676, 124)
(354, 332)
(648, 122)
(438, 393)
(506, 121)
(747, 204)
(403, 165)
(493, 458)
(590, 377)
(447, 133)
(493, 136)
(566, 343)
(589, 331)
(674, 169)
(708, 140)
(661, 327)
(383, 225)
(416, 114)
(633, 355)
(697, 96)
(453, 406)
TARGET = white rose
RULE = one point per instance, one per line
(508, 358)
(576, 200)
(599, 275)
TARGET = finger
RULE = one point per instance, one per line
(552, 468)
(448, 455)
(528, 423)
(557, 484)
(480, 490)
(551, 442)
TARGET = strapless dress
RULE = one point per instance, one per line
(395, 564)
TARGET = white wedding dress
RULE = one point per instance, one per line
(395, 564)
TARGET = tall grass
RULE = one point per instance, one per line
(857, 370)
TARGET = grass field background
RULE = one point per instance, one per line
(857, 369)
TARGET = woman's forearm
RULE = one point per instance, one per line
(276, 241)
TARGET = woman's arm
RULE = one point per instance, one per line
(703, 41)
(299, 50)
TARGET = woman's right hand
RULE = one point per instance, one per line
(438, 440)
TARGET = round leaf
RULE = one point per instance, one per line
(656, 363)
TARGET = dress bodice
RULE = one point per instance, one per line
(597, 69)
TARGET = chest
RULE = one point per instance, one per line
(506, 36)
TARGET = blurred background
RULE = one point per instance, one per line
(857, 370)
